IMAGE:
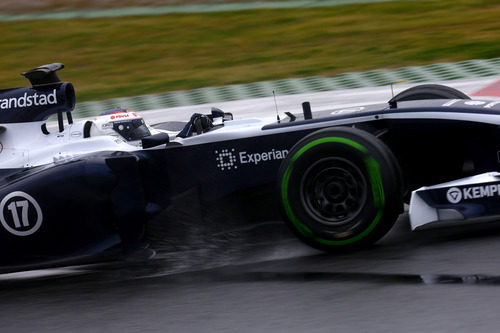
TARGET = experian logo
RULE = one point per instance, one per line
(455, 194)
(228, 159)
(28, 100)
(256, 158)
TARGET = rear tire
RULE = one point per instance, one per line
(340, 189)
(428, 91)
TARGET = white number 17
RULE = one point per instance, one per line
(24, 212)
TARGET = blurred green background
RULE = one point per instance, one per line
(133, 55)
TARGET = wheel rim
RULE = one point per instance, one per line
(333, 191)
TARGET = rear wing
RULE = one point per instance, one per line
(47, 96)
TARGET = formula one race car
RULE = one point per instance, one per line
(339, 178)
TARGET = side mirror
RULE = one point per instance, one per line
(218, 113)
(155, 140)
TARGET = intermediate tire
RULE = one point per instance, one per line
(340, 189)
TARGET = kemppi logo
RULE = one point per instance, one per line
(454, 195)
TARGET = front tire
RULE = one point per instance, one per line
(340, 189)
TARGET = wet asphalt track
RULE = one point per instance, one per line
(261, 279)
(435, 281)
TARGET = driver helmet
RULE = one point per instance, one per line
(122, 123)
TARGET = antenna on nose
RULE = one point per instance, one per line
(276, 105)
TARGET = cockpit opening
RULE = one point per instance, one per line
(132, 129)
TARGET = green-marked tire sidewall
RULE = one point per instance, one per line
(371, 155)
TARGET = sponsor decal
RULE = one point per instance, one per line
(26, 100)
(450, 103)
(454, 195)
(492, 104)
(475, 103)
(20, 214)
(257, 158)
(231, 159)
(226, 159)
(349, 110)
(123, 115)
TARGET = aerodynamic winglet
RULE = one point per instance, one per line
(44, 74)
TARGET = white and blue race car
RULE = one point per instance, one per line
(338, 178)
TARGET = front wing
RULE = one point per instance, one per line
(471, 199)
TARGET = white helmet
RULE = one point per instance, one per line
(122, 123)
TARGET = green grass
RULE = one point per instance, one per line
(129, 56)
